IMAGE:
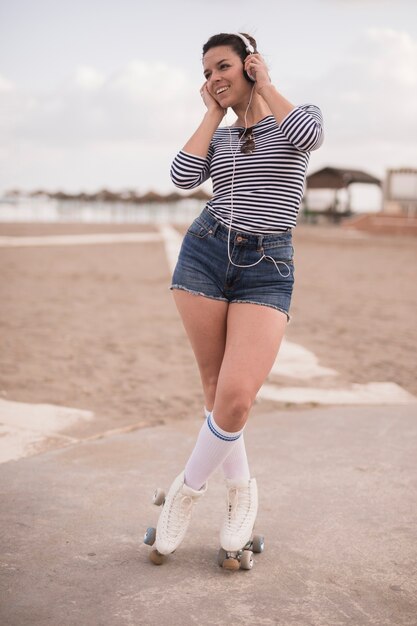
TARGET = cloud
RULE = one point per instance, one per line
(373, 92)
(5, 85)
(141, 102)
(369, 102)
(88, 78)
(121, 129)
(393, 56)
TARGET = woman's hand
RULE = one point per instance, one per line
(199, 142)
(256, 67)
(210, 102)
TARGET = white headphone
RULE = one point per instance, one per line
(249, 48)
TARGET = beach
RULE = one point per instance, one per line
(94, 327)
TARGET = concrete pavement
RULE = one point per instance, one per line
(338, 508)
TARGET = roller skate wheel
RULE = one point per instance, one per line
(158, 497)
(231, 563)
(246, 560)
(150, 536)
(222, 555)
(156, 557)
(258, 544)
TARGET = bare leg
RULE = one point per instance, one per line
(254, 335)
(205, 322)
(235, 347)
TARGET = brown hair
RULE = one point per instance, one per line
(234, 41)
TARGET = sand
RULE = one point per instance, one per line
(95, 327)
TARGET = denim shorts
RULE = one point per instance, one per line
(204, 268)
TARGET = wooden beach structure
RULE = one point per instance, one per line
(336, 182)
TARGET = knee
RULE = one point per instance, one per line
(210, 387)
(232, 410)
(211, 383)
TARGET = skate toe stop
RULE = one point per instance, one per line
(231, 564)
(156, 557)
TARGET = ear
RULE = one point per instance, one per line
(249, 77)
(246, 74)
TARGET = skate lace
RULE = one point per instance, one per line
(238, 506)
(179, 513)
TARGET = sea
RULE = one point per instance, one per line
(44, 209)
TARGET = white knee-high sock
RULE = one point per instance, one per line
(235, 466)
(213, 445)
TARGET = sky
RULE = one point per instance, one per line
(102, 93)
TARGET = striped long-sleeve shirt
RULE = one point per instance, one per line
(267, 187)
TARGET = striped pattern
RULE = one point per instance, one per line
(268, 184)
(221, 433)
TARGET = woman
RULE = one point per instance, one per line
(233, 281)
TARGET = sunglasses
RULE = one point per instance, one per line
(248, 145)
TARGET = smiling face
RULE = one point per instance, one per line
(223, 70)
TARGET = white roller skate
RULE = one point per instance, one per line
(237, 544)
(174, 518)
